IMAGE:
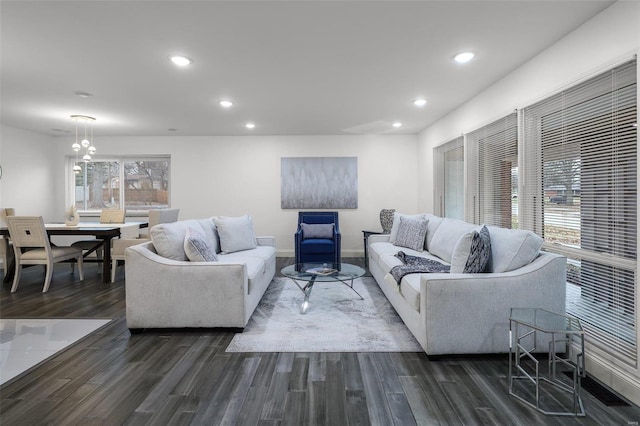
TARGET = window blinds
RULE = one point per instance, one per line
(492, 153)
(579, 191)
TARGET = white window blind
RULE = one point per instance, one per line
(492, 155)
(579, 191)
(449, 179)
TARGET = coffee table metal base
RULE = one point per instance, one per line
(306, 289)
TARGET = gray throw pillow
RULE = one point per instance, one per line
(396, 224)
(411, 233)
(196, 247)
(236, 233)
(317, 230)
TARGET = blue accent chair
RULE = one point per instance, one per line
(317, 250)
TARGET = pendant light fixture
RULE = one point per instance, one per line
(87, 141)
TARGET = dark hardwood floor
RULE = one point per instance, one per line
(166, 377)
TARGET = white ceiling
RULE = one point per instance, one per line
(296, 67)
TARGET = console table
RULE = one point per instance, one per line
(366, 245)
(564, 331)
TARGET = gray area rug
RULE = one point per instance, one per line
(336, 321)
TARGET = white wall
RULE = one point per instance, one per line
(611, 37)
(27, 173)
(237, 175)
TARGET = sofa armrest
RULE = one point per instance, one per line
(266, 241)
(159, 289)
(378, 238)
(478, 305)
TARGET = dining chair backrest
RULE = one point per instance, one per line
(28, 231)
(112, 216)
(162, 216)
(4, 213)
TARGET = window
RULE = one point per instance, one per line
(131, 183)
(580, 194)
(449, 179)
(492, 174)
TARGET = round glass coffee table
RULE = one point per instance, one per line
(305, 275)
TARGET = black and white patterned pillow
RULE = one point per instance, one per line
(479, 252)
(411, 233)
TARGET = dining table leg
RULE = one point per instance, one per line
(106, 259)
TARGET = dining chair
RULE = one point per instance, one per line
(118, 246)
(6, 250)
(31, 246)
(106, 216)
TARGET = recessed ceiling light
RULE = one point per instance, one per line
(420, 102)
(83, 94)
(397, 124)
(181, 61)
(225, 103)
(250, 125)
(464, 57)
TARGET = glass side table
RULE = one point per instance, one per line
(563, 332)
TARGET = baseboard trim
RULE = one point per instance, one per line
(620, 381)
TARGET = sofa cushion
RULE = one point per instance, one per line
(258, 262)
(512, 248)
(388, 261)
(396, 223)
(410, 290)
(472, 252)
(197, 248)
(432, 226)
(168, 238)
(317, 230)
(317, 245)
(411, 233)
(446, 237)
(210, 233)
(236, 233)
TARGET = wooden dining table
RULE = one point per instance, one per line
(101, 231)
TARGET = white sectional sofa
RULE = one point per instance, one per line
(164, 289)
(468, 313)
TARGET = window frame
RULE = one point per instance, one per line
(440, 176)
(70, 179)
(533, 196)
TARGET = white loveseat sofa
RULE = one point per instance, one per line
(164, 289)
(468, 313)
